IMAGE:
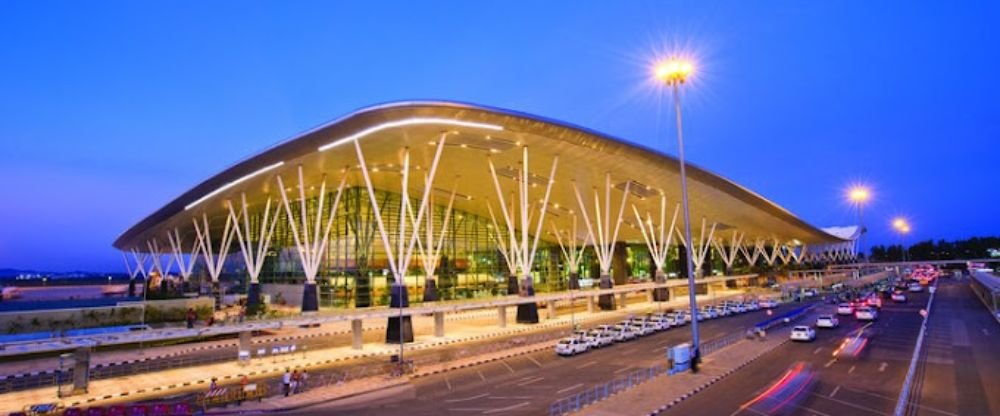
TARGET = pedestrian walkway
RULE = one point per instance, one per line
(188, 379)
(661, 393)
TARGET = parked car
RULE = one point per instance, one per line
(642, 327)
(753, 305)
(598, 338)
(681, 318)
(865, 314)
(571, 346)
(660, 321)
(623, 332)
(768, 304)
(803, 333)
(709, 312)
(845, 309)
(827, 321)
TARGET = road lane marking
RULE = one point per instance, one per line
(834, 392)
(620, 370)
(535, 380)
(508, 366)
(467, 399)
(581, 367)
(573, 387)
(447, 382)
(852, 369)
(480, 409)
(817, 350)
(849, 404)
(829, 363)
(534, 361)
(504, 409)
(881, 367)
(481, 376)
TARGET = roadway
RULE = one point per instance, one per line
(528, 384)
(867, 384)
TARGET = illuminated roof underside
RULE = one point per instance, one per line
(474, 134)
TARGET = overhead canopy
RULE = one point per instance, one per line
(474, 134)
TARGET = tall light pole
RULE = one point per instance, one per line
(859, 195)
(902, 227)
(673, 73)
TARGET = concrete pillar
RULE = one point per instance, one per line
(245, 340)
(439, 324)
(356, 332)
(551, 307)
(649, 296)
(621, 299)
(502, 315)
(590, 304)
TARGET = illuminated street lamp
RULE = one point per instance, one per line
(859, 195)
(902, 227)
(673, 73)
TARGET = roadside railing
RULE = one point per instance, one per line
(603, 391)
(904, 393)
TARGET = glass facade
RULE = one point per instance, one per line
(355, 269)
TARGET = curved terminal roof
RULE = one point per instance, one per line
(476, 133)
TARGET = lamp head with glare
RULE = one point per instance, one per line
(858, 194)
(673, 71)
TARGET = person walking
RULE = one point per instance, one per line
(303, 378)
(190, 318)
(286, 382)
(295, 381)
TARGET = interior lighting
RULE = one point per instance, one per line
(407, 122)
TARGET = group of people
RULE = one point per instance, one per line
(294, 382)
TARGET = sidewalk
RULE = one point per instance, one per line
(664, 392)
(175, 381)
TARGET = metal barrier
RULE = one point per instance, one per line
(603, 391)
(904, 393)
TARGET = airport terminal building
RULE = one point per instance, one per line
(458, 201)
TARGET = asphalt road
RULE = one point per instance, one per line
(867, 384)
(528, 384)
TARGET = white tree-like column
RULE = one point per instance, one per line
(699, 251)
(605, 231)
(658, 237)
(254, 244)
(311, 246)
(522, 247)
(139, 269)
(731, 252)
(430, 249)
(157, 265)
(215, 256)
(400, 329)
(572, 251)
(184, 264)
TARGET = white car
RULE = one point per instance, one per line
(803, 333)
(680, 318)
(642, 327)
(722, 310)
(865, 314)
(915, 287)
(808, 293)
(827, 321)
(710, 312)
(768, 303)
(845, 309)
(598, 338)
(753, 306)
(661, 322)
(898, 297)
(623, 332)
(571, 346)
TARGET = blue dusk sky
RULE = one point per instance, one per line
(108, 110)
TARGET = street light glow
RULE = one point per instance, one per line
(901, 225)
(858, 194)
(673, 71)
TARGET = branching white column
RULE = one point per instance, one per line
(658, 243)
(430, 251)
(400, 328)
(139, 269)
(214, 260)
(605, 238)
(775, 251)
(157, 262)
(729, 255)
(186, 265)
(311, 246)
(572, 251)
(699, 252)
(254, 246)
(508, 249)
(752, 255)
(523, 248)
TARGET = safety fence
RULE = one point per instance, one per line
(904, 393)
(603, 391)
